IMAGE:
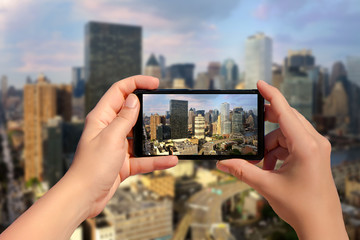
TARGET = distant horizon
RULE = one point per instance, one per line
(159, 103)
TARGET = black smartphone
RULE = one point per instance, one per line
(200, 124)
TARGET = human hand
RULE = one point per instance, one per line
(104, 155)
(302, 191)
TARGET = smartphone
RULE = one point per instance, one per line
(200, 124)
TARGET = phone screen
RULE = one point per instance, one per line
(200, 124)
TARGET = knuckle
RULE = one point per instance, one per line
(238, 173)
(326, 144)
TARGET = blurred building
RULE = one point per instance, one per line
(199, 127)
(338, 72)
(138, 217)
(99, 228)
(277, 76)
(230, 72)
(160, 183)
(185, 168)
(178, 118)
(299, 59)
(179, 83)
(4, 89)
(214, 69)
(203, 81)
(353, 69)
(258, 59)
(162, 64)
(185, 71)
(78, 97)
(112, 52)
(77, 234)
(152, 67)
(63, 101)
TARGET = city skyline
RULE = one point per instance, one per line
(53, 43)
(159, 103)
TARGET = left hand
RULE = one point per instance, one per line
(103, 157)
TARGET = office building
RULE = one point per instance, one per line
(78, 96)
(237, 122)
(225, 115)
(191, 120)
(203, 81)
(63, 101)
(213, 128)
(39, 107)
(353, 69)
(258, 59)
(199, 127)
(226, 127)
(152, 67)
(154, 122)
(179, 119)
(162, 64)
(185, 71)
(218, 127)
(230, 72)
(301, 59)
(214, 115)
(214, 69)
(338, 72)
(112, 52)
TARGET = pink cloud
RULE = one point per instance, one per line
(262, 11)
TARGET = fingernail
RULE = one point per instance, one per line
(222, 168)
(131, 101)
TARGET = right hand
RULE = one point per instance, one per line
(302, 191)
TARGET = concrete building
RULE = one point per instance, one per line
(199, 127)
(178, 118)
(219, 125)
(137, 217)
(152, 67)
(230, 72)
(39, 107)
(112, 52)
(154, 122)
(258, 59)
(191, 120)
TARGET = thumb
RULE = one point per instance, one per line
(126, 118)
(247, 172)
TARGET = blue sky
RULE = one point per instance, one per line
(159, 103)
(48, 35)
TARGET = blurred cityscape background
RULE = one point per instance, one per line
(59, 57)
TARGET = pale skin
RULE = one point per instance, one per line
(302, 192)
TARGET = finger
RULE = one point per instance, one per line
(308, 126)
(282, 113)
(271, 157)
(274, 139)
(121, 126)
(110, 104)
(269, 114)
(147, 164)
(246, 172)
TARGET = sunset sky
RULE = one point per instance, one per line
(48, 36)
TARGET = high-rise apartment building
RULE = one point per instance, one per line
(230, 72)
(78, 97)
(179, 119)
(152, 67)
(353, 69)
(112, 52)
(258, 59)
(199, 127)
(154, 122)
(39, 106)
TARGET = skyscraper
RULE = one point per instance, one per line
(226, 127)
(214, 69)
(199, 127)
(258, 59)
(337, 73)
(63, 101)
(353, 69)
(78, 98)
(185, 71)
(225, 115)
(112, 52)
(191, 120)
(39, 107)
(230, 72)
(162, 63)
(152, 67)
(299, 59)
(237, 122)
(179, 119)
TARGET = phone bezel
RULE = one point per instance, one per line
(138, 129)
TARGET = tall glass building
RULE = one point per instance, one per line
(225, 115)
(230, 72)
(112, 52)
(179, 119)
(258, 59)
